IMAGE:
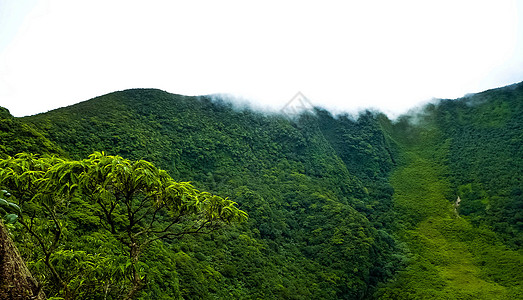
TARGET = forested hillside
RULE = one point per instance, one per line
(339, 207)
(453, 254)
(317, 223)
(16, 137)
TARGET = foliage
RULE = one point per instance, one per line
(340, 207)
(286, 174)
(8, 210)
(450, 258)
(485, 158)
(16, 137)
(136, 203)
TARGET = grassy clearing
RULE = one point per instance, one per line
(449, 258)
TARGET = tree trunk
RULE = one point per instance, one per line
(16, 282)
(137, 282)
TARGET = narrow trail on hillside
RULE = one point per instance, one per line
(456, 206)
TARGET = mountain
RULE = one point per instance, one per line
(340, 207)
(457, 195)
(16, 137)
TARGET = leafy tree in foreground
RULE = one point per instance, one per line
(135, 201)
(25, 177)
(139, 204)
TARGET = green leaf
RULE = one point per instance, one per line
(14, 207)
(11, 218)
(4, 203)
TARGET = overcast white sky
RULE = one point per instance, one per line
(343, 55)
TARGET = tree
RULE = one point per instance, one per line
(135, 202)
(139, 204)
(27, 177)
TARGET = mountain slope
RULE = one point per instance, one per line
(339, 208)
(485, 158)
(450, 258)
(16, 137)
(319, 228)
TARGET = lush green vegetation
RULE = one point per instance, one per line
(16, 137)
(485, 158)
(317, 226)
(339, 207)
(449, 258)
(133, 204)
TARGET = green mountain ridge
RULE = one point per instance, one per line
(339, 208)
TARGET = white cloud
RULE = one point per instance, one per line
(342, 55)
